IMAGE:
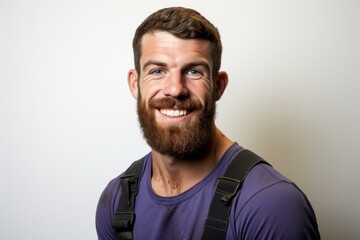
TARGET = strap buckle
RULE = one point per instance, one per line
(227, 187)
(129, 185)
(132, 181)
(123, 220)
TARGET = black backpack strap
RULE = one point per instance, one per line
(124, 218)
(227, 187)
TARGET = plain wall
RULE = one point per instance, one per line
(68, 122)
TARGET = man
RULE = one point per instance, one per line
(176, 82)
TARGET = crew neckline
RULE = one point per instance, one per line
(214, 173)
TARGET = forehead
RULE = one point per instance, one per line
(164, 43)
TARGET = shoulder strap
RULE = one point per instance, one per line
(227, 187)
(123, 221)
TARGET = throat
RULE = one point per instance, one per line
(167, 187)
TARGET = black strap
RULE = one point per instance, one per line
(124, 218)
(217, 221)
(227, 187)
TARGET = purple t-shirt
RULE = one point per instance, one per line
(268, 206)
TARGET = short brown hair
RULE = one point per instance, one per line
(183, 23)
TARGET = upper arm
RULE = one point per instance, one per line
(279, 211)
(105, 211)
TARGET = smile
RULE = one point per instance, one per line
(173, 113)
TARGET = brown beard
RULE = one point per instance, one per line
(182, 141)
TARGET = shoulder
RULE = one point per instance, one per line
(107, 205)
(105, 209)
(110, 193)
(269, 204)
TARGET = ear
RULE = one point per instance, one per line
(221, 82)
(133, 83)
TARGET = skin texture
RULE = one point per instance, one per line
(176, 75)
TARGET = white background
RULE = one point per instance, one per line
(68, 122)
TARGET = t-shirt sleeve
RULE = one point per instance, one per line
(105, 211)
(279, 211)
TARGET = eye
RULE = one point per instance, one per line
(194, 74)
(157, 72)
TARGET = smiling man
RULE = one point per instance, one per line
(169, 194)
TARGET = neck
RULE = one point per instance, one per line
(172, 176)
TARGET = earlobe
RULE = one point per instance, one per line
(220, 84)
(133, 83)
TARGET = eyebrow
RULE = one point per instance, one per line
(153, 62)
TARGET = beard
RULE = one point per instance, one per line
(187, 140)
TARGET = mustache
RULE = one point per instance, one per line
(190, 104)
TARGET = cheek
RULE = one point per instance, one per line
(149, 91)
(202, 90)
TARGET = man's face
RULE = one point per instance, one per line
(175, 100)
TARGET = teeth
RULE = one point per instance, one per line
(173, 113)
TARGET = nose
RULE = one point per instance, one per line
(175, 86)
